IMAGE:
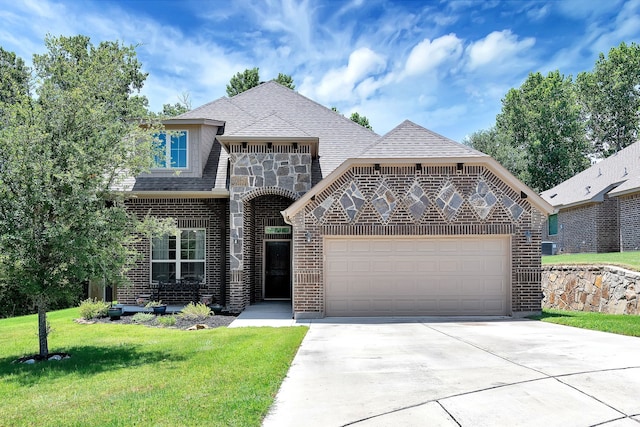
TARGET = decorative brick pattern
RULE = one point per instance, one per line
(456, 213)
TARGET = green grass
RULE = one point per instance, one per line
(124, 375)
(622, 324)
(630, 260)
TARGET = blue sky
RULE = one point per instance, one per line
(442, 64)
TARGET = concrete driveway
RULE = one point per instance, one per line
(435, 372)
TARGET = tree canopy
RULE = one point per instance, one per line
(561, 124)
(249, 78)
(542, 118)
(610, 98)
(64, 147)
(361, 120)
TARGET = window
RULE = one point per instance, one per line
(553, 224)
(178, 257)
(175, 153)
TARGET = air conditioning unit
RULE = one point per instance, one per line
(549, 248)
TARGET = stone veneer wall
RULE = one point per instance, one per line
(630, 222)
(257, 170)
(210, 214)
(605, 289)
(427, 201)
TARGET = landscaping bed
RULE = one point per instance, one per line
(216, 321)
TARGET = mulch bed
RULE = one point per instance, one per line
(216, 321)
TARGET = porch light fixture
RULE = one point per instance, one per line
(234, 236)
(459, 167)
(269, 145)
(527, 234)
(523, 195)
(244, 145)
(376, 167)
(307, 236)
(295, 145)
(418, 167)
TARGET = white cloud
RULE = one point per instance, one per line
(428, 55)
(497, 49)
(338, 83)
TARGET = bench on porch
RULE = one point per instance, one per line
(176, 289)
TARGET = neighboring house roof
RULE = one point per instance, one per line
(616, 175)
(409, 143)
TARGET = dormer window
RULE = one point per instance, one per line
(174, 152)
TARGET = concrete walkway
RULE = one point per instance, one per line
(418, 372)
(267, 313)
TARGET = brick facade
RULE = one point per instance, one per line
(630, 222)
(593, 227)
(210, 214)
(412, 201)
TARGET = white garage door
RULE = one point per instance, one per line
(377, 276)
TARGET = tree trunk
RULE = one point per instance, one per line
(43, 331)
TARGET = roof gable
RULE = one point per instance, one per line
(409, 140)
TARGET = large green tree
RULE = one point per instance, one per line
(249, 78)
(499, 146)
(63, 148)
(543, 118)
(610, 97)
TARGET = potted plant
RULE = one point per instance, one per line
(216, 308)
(157, 306)
(114, 311)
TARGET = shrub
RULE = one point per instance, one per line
(195, 312)
(166, 320)
(92, 309)
(143, 318)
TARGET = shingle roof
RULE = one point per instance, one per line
(409, 140)
(619, 173)
(339, 137)
(270, 126)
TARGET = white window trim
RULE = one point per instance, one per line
(178, 259)
(168, 151)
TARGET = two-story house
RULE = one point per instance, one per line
(278, 197)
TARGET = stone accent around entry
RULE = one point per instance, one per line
(604, 289)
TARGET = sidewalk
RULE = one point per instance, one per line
(267, 313)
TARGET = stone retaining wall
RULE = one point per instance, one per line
(605, 289)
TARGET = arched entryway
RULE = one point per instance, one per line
(267, 247)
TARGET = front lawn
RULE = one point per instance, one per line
(630, 260)
(622, 324)
(123, 375)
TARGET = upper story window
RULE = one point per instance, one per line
(174, 146)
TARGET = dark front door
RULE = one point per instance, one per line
(277, 269)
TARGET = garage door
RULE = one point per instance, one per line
(416, 276)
